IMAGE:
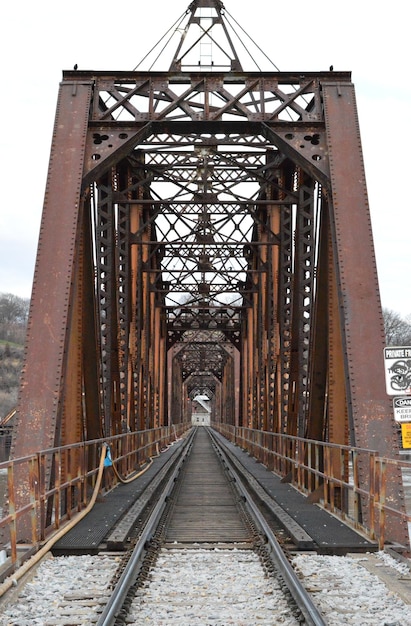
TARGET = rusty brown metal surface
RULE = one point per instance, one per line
(359, 304)
(39, 403)
(206, 232)
(358, 292)
(48, 386)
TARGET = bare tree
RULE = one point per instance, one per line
(397, 329)
(13, 308)
(13, 317)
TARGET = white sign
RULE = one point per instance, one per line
(397, 363)
(402, 409)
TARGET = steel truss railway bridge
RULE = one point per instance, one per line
(206, 232)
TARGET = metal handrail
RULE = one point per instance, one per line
(329, 472)
(47, 489)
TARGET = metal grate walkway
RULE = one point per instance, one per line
(206, 510)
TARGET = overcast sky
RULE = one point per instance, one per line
(39, 39)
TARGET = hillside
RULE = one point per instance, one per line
(11, 361)
(13, 324)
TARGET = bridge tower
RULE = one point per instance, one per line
(206, 230)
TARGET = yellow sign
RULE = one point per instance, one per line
(406, 435)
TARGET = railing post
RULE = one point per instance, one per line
(382, 496)
(374, 475)
(317, 467)
(331, 485)
(326, 475)
(33, 482)
(84, 467)
(12, 513)
(57, 486)
(356, 498)
(69, 476)
(281, 460)
(299, 460)
(343, 488)
(38, 497)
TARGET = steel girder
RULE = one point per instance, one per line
(225, 205)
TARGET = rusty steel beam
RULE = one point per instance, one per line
(358, 293)
(40, 399)
(360, 313)
(320, 380)
(206, 214)
(50, 399)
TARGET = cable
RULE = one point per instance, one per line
(105, 454)
(12, 580)
(173, 29)
(251, 39)
(126, 481)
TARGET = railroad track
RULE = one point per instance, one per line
(206, 555)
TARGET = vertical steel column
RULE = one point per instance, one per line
(285, 310)
(145, 330)
(362, 329)
(107, 293)
(317, 423)
(54, 313)
(337, 426)
(301, 306)
(274, 378)
(260, 335)
(48, 329)
(248, 367)
(139, 317)
(273, 424)
(71, 423)
(178, 391)
(303, 292)
(359, 302)
(135, 285)
(228, 388)
(253, 357)
(91, 336)
(124, 300)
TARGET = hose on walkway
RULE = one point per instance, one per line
(126, 481)
(18, 574)
(105, 461)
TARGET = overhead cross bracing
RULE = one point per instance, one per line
(205, 230)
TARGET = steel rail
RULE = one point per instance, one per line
(130, 573)
(297, 590)
(129, 576)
